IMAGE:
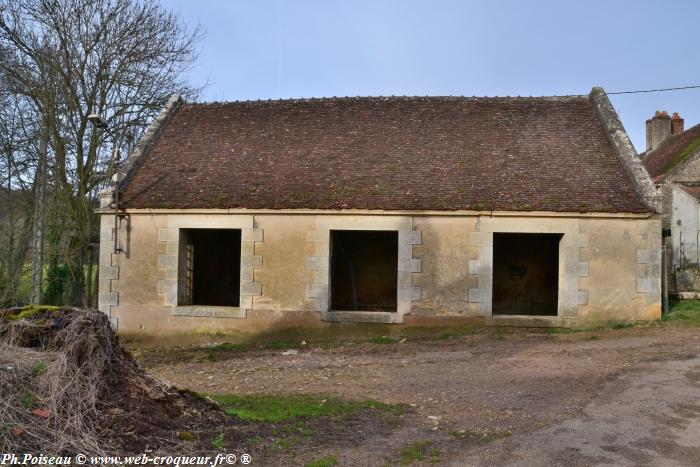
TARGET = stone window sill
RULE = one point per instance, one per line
(209, 311)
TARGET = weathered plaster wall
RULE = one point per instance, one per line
(678, 205)
(284, 252)
(140, 293)
(444, 278)
(624, 273)
(609, 270)
(684, 228)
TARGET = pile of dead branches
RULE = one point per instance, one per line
(59, 369)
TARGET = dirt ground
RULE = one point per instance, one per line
(614, 397)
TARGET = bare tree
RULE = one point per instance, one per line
(17, 151)
(70, 58)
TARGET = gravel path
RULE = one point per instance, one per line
(618, 397)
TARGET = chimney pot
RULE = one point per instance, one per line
(677, 124)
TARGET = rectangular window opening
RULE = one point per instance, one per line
(364, 270)
(525, 274)
(209, 267)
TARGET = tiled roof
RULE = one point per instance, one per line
(389, 153)
(692, 190)
(672, 152)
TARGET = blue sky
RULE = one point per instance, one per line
(271, 49)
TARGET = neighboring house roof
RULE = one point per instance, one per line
(692, 190)
(385, 153)
(672, 152)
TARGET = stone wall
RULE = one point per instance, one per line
(680, 206)
(609, 270)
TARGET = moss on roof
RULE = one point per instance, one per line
(682, 155)
(672, 152)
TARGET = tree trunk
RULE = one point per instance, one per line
(38, 224)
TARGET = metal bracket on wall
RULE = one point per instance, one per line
(119, 217)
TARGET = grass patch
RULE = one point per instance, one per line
(291, 434)
(419, 451)
(277, 345)
(255, 440)
(382, 340)
(273, 408)
(328, 461)
(38, 368)
(287, 444)
(684, 311)
(213, 353)
(485, 436)
(218, 441)
(440, 332)
(28, 400)
(212, 357)
(560, 330)
(225, 347)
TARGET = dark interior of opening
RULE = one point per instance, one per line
(216, 266)
(364, 267)
(525, 274)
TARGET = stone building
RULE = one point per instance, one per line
(252, 217)
(673, 161)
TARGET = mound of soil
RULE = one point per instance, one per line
(67, 386)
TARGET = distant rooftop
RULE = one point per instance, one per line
(673, 151)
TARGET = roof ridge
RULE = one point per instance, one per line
(134, 160)
(387, 98)
(627, 154)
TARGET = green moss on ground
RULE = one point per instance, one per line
(383, 340)
(418, 452)
(484, 436)
(225, 347)
(31, 311)
(276, 408)
(327, 461)
(684, 311)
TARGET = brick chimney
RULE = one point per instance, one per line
(658, 129)
(676, 124)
